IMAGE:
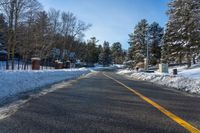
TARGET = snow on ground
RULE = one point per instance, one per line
(111, 67)
(9, 109)
(191, 73)
(187, 79)
(15, 82)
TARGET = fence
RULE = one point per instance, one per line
(24, 65)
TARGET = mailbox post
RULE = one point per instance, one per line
(35, 63)
(175, 71)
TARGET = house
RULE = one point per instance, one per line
(68, 58)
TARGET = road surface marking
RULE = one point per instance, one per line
(177, 119)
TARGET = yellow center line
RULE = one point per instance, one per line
(177, 119)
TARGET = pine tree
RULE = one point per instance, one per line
(92, 52)
(138, 41)
(155, 35)
(183, 28)
(170, 52)
(105, 56)
(117, 53)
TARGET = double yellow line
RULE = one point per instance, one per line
(177, 119)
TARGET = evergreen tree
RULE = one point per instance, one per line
(93, 51)
(105, 56)
(138, 41)
(155, 35)
(130, 53)
(117, 53)
(183, 28)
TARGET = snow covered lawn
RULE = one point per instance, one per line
(187, 79)
(15, 82)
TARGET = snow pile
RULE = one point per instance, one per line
(187, 80)
(15, 82)
(191, 73)
(125, 71)
(119, 66)
(111, 67)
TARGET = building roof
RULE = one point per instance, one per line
(3, 52)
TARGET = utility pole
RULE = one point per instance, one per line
(147, 60)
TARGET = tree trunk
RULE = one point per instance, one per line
(10, 32)
(27, 64)
(180, 59)
(45, 60)
(10, 36)
(14, 36)
(7, 64)
(18, 63)
(24, 64)
(188, 58)
(13, 58)
(193, 59)
(13, 52)
(42, 64)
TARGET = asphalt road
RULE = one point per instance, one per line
(98, 104)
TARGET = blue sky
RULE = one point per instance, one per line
(112, 20)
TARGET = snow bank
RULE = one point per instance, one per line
(191, 73)
(20, 81)
(111, 67)
(15, 82)
(187, 80)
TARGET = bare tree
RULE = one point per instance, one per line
(72, 29)
(54, 16)
(33, 32)
(15, 11)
